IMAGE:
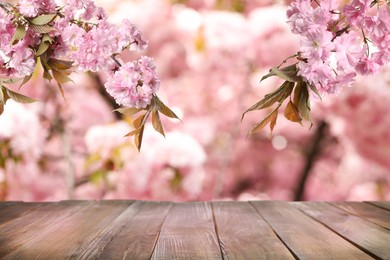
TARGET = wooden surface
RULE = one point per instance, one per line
(194, 230)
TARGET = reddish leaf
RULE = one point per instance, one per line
(139, 121)
(138, 138)
(164, 109)
(19, 97)
(60, 76)
(60, 64)
(291, 112)
(156, 122)
(269, 119)
(278, 95)
(128, 110)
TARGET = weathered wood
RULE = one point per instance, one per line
(138, 236)
(13, 210)
(59, 237)
(30, 221)
(381, 204)
(367, 211)
(370, 237)
(307, 238)
(243, 233)
(188, 233)
(194, 230)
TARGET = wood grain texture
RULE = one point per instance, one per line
(381, 204)
(13, 210)
(31, 221)
(367, 211)
(60, 234)
(307, 238)
(188, 233)
(138, 236)
(368, 236)
(243, 233)
(194, 230)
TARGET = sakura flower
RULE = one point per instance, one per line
(134, 84)
(356, 10)
(83, 9)
(129, 35)
(23, 61)
(348, 49)
(317, 44)
(367, 66)
(28, 8)
(32, 8)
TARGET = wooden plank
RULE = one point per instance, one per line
(34, 218)
(13, 210)
(307, 238)
(61, 238)
(244, 234)
(381, 204)
(188, 233)
(137, 238)
(370, 237)
(367, 211)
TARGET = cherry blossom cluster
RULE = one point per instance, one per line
(134, 84)
(74, 36)
(340, 41)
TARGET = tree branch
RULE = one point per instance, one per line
(313, 152)
(102, 91)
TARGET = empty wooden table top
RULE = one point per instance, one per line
(194, 230)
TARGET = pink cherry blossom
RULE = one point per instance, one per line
(348, 50)
(134, 84)
(22, 61)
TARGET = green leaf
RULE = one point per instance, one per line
(19, 97)
(59, 64)
(291, 112)
(315, 90)
(60, 76)
(128, 110)
(43, 19)
(11, 80)
(97, 176)
(42, 48)
(42, 28)
(269, 119)
(285, 75)
(2, 97)
(47, 38)
(278, 95)
(156, 122)
(289, 71)
(19, 34)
